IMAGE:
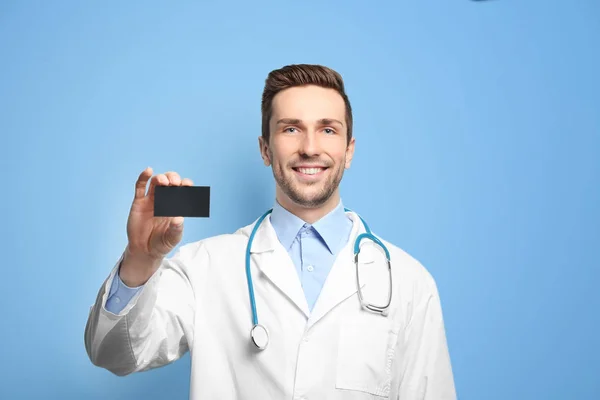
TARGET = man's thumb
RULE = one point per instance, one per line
(174, 233)
(176, 223)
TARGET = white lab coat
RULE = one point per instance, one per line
(198, 301)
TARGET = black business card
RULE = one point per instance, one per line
(182, 201)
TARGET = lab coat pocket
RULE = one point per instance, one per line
(366, 353)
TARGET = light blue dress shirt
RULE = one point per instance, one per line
(313, 249)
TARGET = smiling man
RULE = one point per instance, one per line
(324, 308)
(309, 153)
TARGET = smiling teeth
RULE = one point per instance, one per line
(309, 171)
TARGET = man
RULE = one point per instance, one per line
(322, 343)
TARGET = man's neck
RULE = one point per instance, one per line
(309, 215)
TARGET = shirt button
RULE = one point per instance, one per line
(310, 268)
(117, 300)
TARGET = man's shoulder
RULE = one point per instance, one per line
(407, 266)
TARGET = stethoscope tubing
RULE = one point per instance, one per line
(248, 273)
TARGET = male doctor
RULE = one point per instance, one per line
(322, 343)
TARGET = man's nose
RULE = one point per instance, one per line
(310, 144)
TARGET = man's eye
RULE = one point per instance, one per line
(291, 129)
(329, 131)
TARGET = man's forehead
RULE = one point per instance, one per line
(312, 102)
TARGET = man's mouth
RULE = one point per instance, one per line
(310, 170)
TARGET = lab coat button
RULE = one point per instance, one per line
(310, 268)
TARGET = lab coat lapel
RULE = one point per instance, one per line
(341, 282)
(275, 263)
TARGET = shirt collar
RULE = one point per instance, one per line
(331, 227)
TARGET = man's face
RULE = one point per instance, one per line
(308, 147)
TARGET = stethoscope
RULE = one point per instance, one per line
(260, 334)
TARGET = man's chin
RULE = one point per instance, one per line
(310, 201)
(306, 195)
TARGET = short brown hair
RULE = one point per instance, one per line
(299, 75)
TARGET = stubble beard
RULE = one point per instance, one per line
(290, 187)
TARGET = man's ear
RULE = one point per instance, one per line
(349, 153)
(264, 151)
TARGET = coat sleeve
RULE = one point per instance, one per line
(427, 370)
(156, 326)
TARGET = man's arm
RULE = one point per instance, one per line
(428, 371)
(155, 328)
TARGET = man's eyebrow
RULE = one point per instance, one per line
(290, 121)
(322, 121)
(329, 121)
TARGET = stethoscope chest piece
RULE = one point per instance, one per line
(260, 336)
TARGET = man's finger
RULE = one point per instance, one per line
(187, 182)
(142, 181)
(160, 180)
(174, 179)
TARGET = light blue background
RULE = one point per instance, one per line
(478, 145)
